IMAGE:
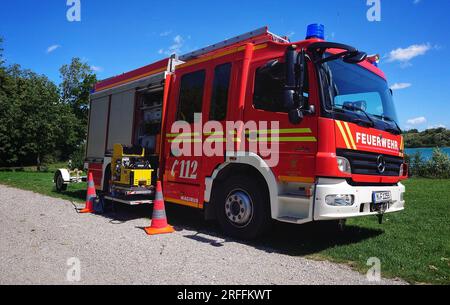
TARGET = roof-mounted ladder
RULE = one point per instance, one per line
(232, 41)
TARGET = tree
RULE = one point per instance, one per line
(78, 80)
(38, 121)
(7, 110)
(439, 137)
(34, 123)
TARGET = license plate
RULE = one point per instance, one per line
(381, 197)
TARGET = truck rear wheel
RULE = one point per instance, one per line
(242, 208)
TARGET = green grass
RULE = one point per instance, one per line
(42, 183)
(413, 245)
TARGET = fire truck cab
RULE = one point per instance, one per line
(257, 128)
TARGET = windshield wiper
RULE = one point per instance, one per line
(369, 123)
(372, 123)
(396, 131)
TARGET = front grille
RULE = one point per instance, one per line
(365, 163)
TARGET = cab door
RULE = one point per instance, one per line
(183, 146)
(297, 144)
(218, 108)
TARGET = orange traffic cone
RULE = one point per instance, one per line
(159, 220)
(90, 197)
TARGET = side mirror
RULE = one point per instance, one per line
(289, 99)
(294, 100)
(290, 85)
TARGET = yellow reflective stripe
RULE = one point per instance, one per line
(128, 80)
(221, 133)
(221, 54)
(187, 134)
(221, 140)
(296, 179)
(284, 139)
(260, 139)
(214, 133)
(280, 131)
(402, 148)
(185, 141)
(338, 123)
(182, 202)
(210, 140)
(350, 135)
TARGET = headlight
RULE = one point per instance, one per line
(344, 165)
(340, 200)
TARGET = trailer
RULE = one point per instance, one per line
(64, 176)
(253, 129)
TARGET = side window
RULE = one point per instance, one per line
(268, 89)
(219, 99)
(191, 96)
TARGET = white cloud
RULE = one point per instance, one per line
(176, 47)
(405, 55)
(400, 86)
(96, 68)
(178, 42)
(165, 33)
(417, 121)
(53, 48)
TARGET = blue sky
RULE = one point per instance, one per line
(116, 36)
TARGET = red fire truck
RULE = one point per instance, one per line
(330, 147)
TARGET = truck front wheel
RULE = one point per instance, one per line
(242, 207)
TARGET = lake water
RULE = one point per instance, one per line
(425, 152)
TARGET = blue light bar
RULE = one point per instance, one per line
(315, 30)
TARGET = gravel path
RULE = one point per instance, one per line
(39, 234)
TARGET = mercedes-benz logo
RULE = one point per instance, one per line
(381, 164)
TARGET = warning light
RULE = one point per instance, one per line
(315, 30)
(374, 59)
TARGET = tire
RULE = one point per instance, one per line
(242, 208)
(59, 182)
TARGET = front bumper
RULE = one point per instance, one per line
(363, 199)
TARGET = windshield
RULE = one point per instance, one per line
(356, 94)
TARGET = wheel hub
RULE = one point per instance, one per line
(239, 208)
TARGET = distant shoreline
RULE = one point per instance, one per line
(425, 152)
(428, 147)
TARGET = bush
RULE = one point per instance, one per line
(418, 165)
(438, 167)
